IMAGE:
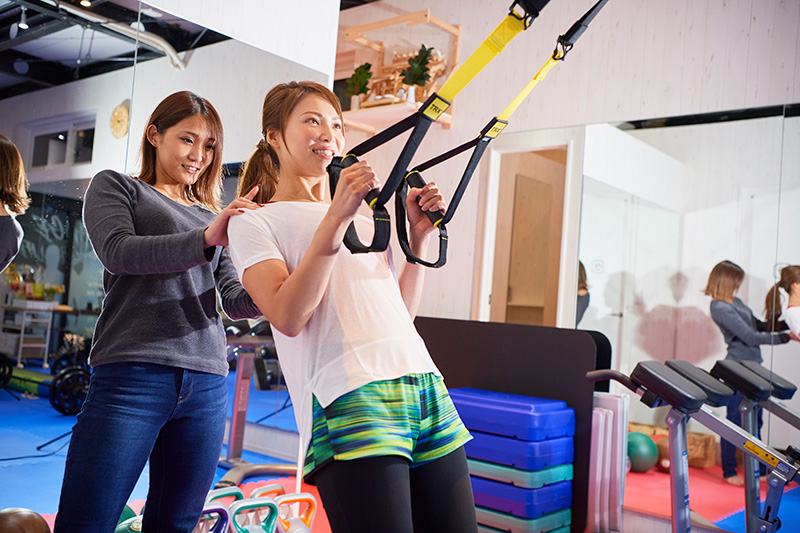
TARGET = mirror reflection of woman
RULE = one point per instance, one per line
(790, 284)
(744, 334)
(14, 200)
(383, 442)
(158, 389)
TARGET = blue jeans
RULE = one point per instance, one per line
(136, 411)
(728, 450)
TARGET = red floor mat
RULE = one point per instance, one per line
(709, 496)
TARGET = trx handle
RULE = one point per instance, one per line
(436, 217)
(380, 217)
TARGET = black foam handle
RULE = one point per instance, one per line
(414, 179)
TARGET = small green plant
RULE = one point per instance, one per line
(357, 83)
(417, 71)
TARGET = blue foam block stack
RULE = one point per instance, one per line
(520, 460)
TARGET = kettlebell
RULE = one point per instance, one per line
(288, 523)
(268, 523)
(272, 490)
(131, 525)
(214, 519)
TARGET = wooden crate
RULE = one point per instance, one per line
(702, 448)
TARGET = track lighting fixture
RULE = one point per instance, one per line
(86, 3)
(23, 19)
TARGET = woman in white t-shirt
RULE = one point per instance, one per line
(790, 283)
(382, 440)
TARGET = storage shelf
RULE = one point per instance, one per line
(375, 118)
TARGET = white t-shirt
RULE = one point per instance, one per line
(793, 319)
(360, 332)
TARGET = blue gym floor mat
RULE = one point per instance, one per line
(35, 482)
(789, 512)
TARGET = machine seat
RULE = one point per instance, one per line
(669, 386)
(717, 392)
(738, 377)
(781, 389)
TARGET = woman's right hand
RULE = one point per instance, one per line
(354, 183)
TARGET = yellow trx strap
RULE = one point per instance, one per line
(509, 28)
(510, 108)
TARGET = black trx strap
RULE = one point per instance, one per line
(430, 111)
(564, 44)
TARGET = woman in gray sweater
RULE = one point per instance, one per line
(158, 389)
(744, 334)
(13, 199)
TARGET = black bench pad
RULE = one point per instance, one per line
(781, 388)
(718, 393)
(668, 385)
(743, 380)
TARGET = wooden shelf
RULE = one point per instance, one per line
(373, 119)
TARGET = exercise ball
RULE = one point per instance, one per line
(642, 451)
(663, 454)
(19, 520)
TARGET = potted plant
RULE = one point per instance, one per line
(357, 83)
(417, 71)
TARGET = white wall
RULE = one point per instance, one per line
(302, 32)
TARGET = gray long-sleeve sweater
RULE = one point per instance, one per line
(161, 284)
(10, 240)
(743, 332)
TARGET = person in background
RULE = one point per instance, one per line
(158, 388)
(583, 294)
(744, 334)
(14, 200)
(790, 283)
(382, 440)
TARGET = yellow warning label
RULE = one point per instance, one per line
(436, 108)
(761, 453)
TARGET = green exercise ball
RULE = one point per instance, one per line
(22, 520)
(642, 451)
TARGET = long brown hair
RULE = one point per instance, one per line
(13, 183)
(789, 275)
(582, 283)
(172, 109)
(724, 280)
(263, 167)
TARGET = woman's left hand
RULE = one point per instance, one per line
(217, 233)
(418, 201)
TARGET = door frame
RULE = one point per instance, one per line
(573, 138)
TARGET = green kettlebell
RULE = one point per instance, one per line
(127, 513)
(131, 525)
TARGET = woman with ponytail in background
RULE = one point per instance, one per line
(790, 283)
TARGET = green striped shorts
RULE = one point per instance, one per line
(411, 416)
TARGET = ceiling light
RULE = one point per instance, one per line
(23, 20)
(86, 3)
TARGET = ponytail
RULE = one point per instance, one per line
(773, 308)
(261, 169)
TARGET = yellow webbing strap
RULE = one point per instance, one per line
(509, 110)
(489, 48)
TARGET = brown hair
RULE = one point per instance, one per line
(13, 183)
(582, 285)
(724, 280)
(263, 167)
(789, 275)
(172, 109)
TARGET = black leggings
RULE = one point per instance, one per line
(384, 494)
